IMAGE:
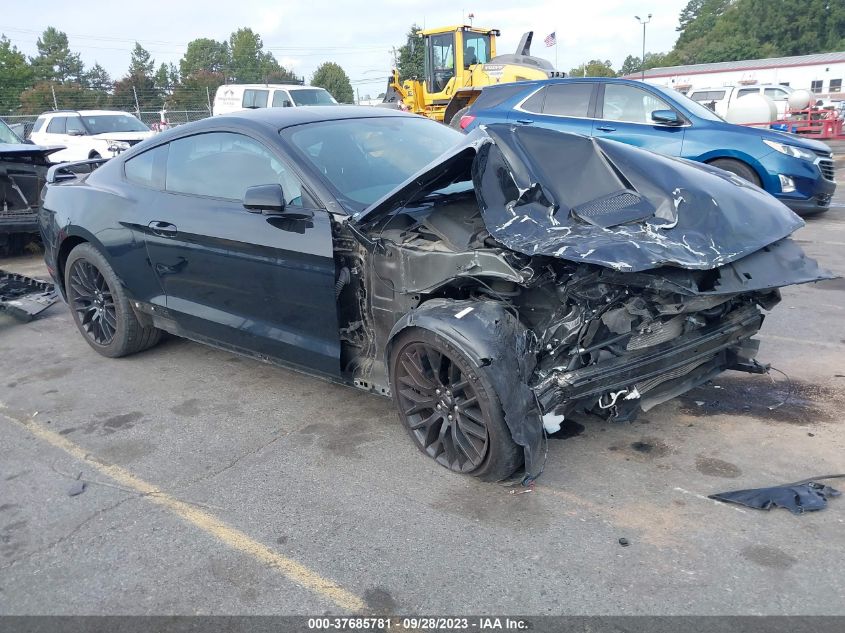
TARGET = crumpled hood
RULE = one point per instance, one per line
(25, 151)
(603, 202)
(543, 192)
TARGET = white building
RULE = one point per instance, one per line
(822, 73)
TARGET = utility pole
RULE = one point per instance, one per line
(55, 103)
(137, 107)
(208, 97)
(642, 59)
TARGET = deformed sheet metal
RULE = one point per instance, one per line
(643, 210)
(798, 498)
(24, 297)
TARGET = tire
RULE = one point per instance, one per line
(476, 440)
(738, 168)
(100, 308)
(455, 123)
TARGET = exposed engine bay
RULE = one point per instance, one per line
(574, 306)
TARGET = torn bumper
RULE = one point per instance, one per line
(643, 379)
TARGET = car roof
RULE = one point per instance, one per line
(83, 112)
(285, 117)
(265, 86)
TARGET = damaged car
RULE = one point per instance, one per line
(23, 172)
(483, 282)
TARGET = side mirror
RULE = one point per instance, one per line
(666, 117)
(265, 199)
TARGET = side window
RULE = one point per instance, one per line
(568, 99)
(255, 98)
(630, 104)
(746, 91)
(534, 103)
(281, 99)
(39, 123)
(74, 126)
(147, 169)
(225, 165)
(476, 48)
(57, 125)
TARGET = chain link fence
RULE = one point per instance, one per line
(156, 120)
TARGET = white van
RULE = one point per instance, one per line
(722, 98)
(234, 97)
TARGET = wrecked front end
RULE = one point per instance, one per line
(23, 171)
(583, 276)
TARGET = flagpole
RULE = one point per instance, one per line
(556, 67)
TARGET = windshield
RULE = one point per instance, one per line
(693, 107)
(6, 134)
(105, 123)
(361, 160)
(312, 96)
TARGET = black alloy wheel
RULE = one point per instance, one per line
(441, 407)
(90, 296)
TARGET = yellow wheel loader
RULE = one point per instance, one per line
(459, 62)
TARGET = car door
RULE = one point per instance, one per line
(56, 134)
(258, 283)
(624, 114)
(281, 99)
(567, 107)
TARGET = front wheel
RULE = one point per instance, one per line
(450, 408)
(738, 168)
(100, 307)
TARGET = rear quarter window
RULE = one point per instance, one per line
(39, 123)
(148, 169)
(255, 98)
(491, 97)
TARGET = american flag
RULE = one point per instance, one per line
(550, 40)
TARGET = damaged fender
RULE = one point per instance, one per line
(502, 347)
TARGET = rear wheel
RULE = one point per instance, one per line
(100, 307)
(739, 168)
(449, 407)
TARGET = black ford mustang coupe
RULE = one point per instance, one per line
(490, 283)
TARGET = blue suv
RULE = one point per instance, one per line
(796, 170)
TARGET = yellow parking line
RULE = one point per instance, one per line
(206, 522)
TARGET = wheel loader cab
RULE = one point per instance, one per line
(450, 54)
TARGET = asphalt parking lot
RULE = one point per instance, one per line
(220, 485)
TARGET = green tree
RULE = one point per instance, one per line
(249, 62)
(73, 96)
(98, 79)
(631, 65)
(195, 91)
(594, 68)
(334, 79)
(54, 61)
(204, 54)
(411, 55)
(141, 63)
(15, 75)
(140, 80)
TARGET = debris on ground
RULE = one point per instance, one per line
(24, 297)
(798, 497)
(624, 542)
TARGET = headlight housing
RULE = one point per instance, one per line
(790, 150)
(118, 146)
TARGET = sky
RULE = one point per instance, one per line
(357, 35)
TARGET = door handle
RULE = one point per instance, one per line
(525, 121)
(164, 229)
(606, 128)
